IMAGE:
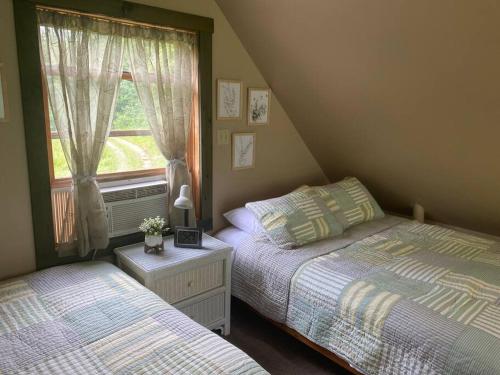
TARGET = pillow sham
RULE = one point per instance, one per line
(349, 201)
(295, 219)
(242, 218)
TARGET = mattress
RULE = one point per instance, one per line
(408, 299)
(91, 318)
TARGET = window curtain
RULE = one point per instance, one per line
(163, 65)
(82, 66)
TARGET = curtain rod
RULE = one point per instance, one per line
(99, 17)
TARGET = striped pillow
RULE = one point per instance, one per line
(350, 202)
(296, 219)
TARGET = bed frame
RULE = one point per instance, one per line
(326, 353)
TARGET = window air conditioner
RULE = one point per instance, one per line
(127, 206)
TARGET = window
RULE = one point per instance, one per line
(130, 151)
(47, 168)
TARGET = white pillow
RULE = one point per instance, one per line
(244, 219)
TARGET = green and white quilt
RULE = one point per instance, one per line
(414, 299)
(91, 318)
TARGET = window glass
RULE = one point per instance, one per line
(129, 114)
(130, 146)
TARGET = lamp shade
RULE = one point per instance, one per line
(184, 200)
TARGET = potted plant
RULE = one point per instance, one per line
(153, 228)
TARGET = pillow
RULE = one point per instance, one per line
(295, 219)
(242, 218)
(350, 201)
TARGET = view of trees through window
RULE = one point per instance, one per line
(130, 146)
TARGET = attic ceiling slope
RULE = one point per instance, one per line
(402, 94)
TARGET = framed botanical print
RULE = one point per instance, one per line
(259, 102)
(243, 150)
(4, 109)
(229, 94)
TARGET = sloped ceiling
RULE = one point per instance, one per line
(403, 94)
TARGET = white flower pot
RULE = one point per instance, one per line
(153, 240)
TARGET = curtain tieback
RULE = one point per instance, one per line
(84, 179)
(177, 162)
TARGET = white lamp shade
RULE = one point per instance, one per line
(184, 200)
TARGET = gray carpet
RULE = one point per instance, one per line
(276, 351)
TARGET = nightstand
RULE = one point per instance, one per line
(194, 281)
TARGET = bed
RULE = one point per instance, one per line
(91, 318)
(388, 296)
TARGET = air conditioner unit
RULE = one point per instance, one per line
(127, 206)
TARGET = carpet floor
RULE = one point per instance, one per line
(276, 351)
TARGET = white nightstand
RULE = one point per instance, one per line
(195, 281)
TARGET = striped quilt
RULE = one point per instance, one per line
(91, 318)
(415, 299)
(262, 272)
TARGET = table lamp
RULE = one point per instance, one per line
(184, 202)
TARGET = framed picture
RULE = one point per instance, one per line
(243, 150)
(259, 102)
(188, 237)
(4, 109)
(229, 94)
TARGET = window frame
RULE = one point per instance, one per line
(34, 115)
(101, 177)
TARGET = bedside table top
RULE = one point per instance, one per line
(172, 256)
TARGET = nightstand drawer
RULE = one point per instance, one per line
(207, 311)
(190, 283)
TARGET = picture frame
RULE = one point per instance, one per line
(186, 237)
(243, 150)
(4, 108)
(229, 100)
(259, 106)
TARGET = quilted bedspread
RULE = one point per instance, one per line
(262, 272)
(415, 299)
(91, 318)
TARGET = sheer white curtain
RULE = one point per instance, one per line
(163, 66)
(82, 67)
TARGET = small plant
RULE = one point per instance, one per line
(152, 226)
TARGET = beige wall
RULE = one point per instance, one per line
(403, 94)
(283, 161)
(16, 233)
